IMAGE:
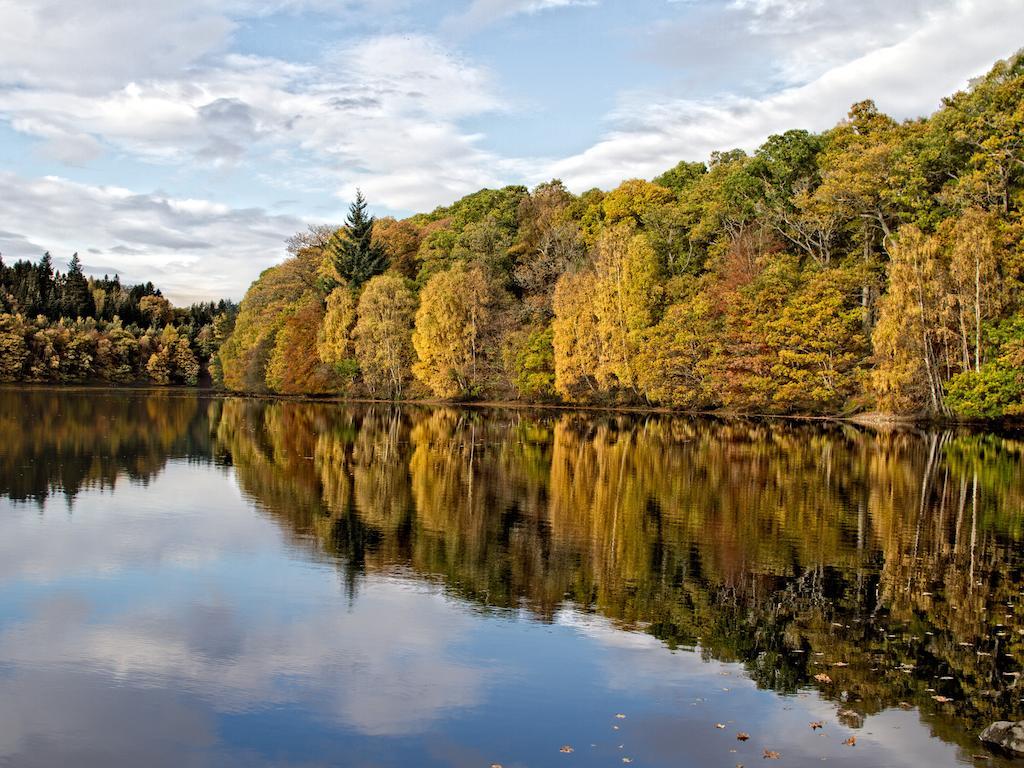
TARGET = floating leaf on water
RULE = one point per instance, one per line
(627, 759)
(621, 716)
(906, 705)
(771, 754)
(821, 677)
(719, 725)
(741, 736)
(851, 742)
(566, 749)
(942, 699)
(816, 725)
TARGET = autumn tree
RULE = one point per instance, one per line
(454, 333)
(576, 342)
(13, 348)
(383, 335)
(334, 342)
(908, 338)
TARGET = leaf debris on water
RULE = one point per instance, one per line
(771, 754)
(741, 736)
(566, 749)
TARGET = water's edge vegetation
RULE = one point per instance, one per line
(875, 268)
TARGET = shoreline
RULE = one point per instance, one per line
(871, 419)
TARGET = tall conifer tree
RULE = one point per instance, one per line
(354, 255)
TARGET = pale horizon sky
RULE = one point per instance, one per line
(184, 141)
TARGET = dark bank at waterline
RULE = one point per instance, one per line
(199, 581)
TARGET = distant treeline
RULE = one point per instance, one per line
(877, 265)
(69, 328)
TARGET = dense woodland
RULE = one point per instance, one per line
(69, 328)
(874, 266)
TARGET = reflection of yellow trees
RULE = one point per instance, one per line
(78, 440)
(766, 543)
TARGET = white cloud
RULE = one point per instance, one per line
(383, 113)
(907, 78)
(192, 249)
(483, 13)
(97, 44)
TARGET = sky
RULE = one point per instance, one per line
(183, 141)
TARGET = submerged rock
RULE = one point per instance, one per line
(1005, 735)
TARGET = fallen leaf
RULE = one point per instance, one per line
(621, 716)
(906, 705)
(942, 699)
(851, 742)
(720, 725)
(770, 754)
(741, 736)
(816, 725)
(821, 677)
(627, 759)
(566, 749)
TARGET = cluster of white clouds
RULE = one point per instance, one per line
(173, 242)
(394, 113)
(906, 77)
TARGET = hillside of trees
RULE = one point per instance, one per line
(69, 328)
(875, 266)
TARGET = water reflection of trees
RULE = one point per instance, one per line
(890, 562)
(887, 561)
(88, 439)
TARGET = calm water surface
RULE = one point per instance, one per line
(191, 581)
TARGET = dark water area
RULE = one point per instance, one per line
(199, 581)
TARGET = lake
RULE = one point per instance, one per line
(199, 581)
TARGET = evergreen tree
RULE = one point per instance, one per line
(351, 250)
(77, 298)
(45, 288)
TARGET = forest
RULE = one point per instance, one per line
(70, 328)
(874, 267)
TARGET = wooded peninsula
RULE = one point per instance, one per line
(876, 266)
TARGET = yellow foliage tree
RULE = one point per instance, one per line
(383, 335)
(334, 338)
(454, 331)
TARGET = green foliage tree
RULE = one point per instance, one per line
(352, 252)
